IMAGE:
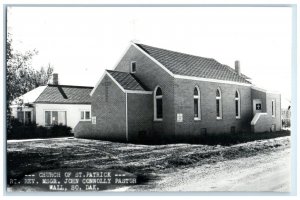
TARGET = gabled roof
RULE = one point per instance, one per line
(31, 96)
(127, 80)
(195, 66)
(65, 94)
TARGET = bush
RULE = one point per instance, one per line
(225, 139)
(236, 138)
(17, 130)
(286, 123)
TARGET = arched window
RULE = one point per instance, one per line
(158, 104)
(237, 105)
(197, 111)
(219, 103)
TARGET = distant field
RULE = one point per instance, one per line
(148, 162)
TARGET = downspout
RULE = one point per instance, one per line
(126, 116)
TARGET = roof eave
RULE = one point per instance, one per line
(45, 102)
(211, 80)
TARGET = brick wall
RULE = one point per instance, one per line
(84, 129)
(184, 104)
(109, 107)
(151, 75)
(265, 122)
(140, 116)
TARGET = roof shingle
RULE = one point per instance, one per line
(189, 65)
(65, 94)
(127, 80)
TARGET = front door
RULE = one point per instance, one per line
(257, 106)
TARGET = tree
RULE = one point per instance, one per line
(21, 77)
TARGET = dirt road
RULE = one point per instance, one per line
(261, 165)
(264, 172)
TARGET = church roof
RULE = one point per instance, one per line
(195, 66)
(127, 80)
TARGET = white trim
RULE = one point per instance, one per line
(239, 104)
(98, 83)
(54, 110)
(199, 101)
(114, 80)
(154, 103)
(84, 115)
(209, 80)
(126, 115)
(254, 103)
(138, 92)
(153, 59)
(220, 104)
(256, 117)
(81, 114)
(123, 90)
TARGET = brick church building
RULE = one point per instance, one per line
(158, 93)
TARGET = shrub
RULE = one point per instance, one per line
(236, 138)
(286, 123)
(61, 130)
(18, 130)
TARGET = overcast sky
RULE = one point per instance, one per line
(81, 42)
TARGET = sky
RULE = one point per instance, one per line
(80, 43)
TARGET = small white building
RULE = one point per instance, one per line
(54, 104)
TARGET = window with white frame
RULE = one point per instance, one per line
(219, 103)
(85, 115)
(133, 67)
(197, 111)
(158, 104)
(55, 118)
(273, 108)
(237, 101)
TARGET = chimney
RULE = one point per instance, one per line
(237, 67)
(55, 79)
